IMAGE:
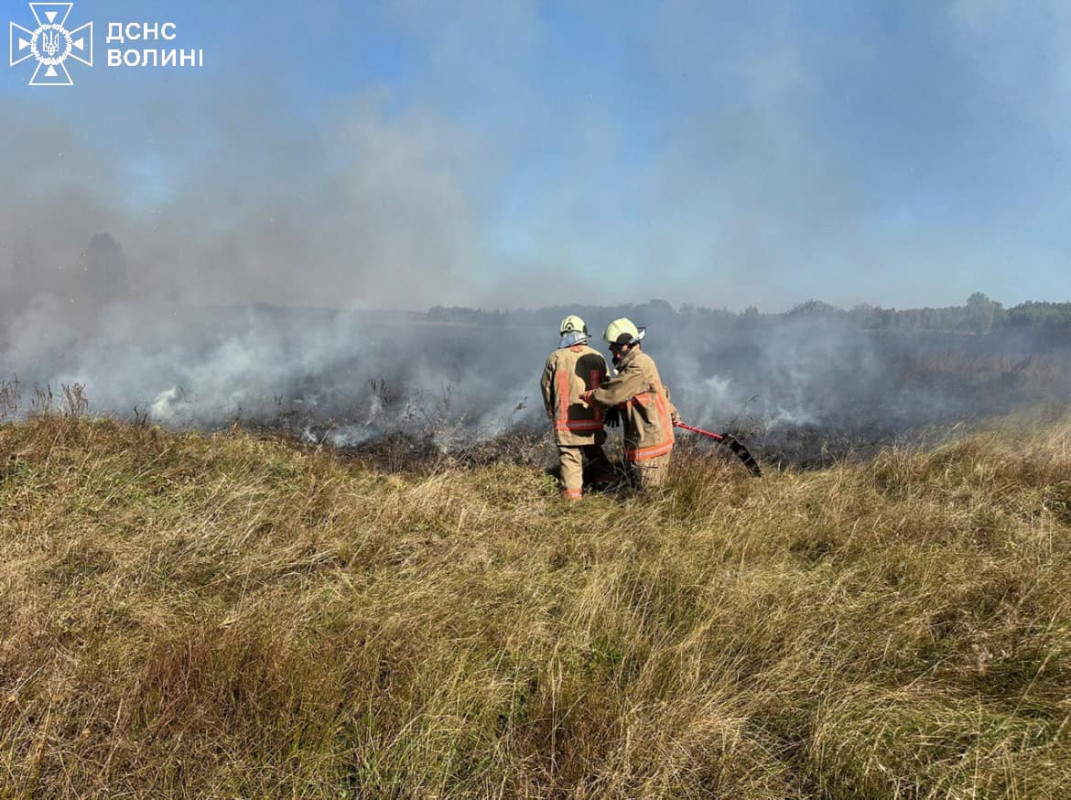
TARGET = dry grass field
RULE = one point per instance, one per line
(225, 616)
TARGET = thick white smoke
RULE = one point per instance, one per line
(346, 378)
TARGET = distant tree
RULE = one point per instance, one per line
(749, 318)
(813, 308)
(982, 313)
(654, 312)
(863, 316)
(1039, 315)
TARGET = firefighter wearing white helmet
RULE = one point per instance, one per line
(571, 370)
(648, 413)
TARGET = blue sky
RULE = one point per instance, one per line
(409, 153)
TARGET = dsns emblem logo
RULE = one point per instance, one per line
(51, 44)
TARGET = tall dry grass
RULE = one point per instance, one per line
(227, 616)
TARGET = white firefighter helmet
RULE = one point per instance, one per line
(623, 331)
(573, 331)
(572, 324)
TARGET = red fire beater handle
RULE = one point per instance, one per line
(718, 437)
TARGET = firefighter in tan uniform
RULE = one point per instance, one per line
(648, 414)
(571, 370)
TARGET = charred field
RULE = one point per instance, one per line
(801, 389)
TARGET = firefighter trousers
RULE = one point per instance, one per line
(650, 473)
(572, 458)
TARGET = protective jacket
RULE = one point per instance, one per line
(571, 371)
(646, 410)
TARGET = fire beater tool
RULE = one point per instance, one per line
(729, 441)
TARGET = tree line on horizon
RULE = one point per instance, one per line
(103, 274)
(979, 314)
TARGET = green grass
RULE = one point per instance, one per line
(229, 616)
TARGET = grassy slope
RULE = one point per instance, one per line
(229, 616)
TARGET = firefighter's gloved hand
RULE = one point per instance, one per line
(612, 417)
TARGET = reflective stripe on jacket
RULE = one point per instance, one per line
(571, 371)
(647, 412)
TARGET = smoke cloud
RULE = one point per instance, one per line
(374, 211)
